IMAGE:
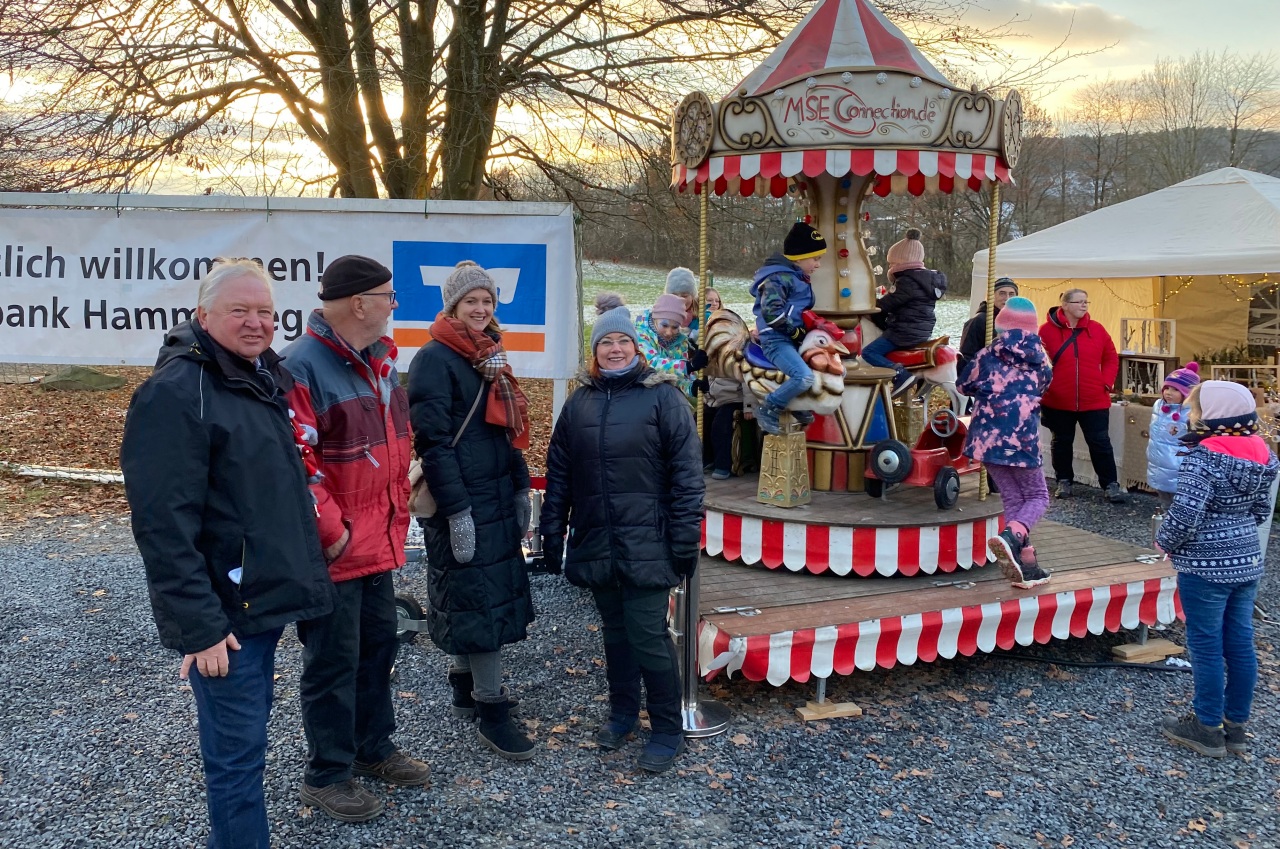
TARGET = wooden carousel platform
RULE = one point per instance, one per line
(799, 625)
(853, 534)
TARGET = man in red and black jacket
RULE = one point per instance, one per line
(348, 396)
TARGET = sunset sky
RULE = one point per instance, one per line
(1142, 30)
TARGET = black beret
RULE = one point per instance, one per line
(351, 275)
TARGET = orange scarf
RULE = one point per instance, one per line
(507, 405)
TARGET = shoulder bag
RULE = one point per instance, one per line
(421, 502)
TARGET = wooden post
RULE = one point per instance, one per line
(704, 271)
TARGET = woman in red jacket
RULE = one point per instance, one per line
(1085, 366)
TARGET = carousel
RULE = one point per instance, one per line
(863, 543)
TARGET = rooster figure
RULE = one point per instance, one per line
(733, 355)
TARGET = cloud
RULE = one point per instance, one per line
(1046, 23)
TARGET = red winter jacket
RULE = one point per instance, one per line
(363, 425)
(1085, 372)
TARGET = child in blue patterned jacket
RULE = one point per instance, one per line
(1211, 535)
(1168, 423)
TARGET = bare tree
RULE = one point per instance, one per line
(1248, 101)
(405, 99)
(1178, 96)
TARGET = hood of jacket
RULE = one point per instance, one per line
(1056, 317)
(774, 264)
(1018, 347)
(927, 278)
(190, 341)
(1246, 477)
(642, 373)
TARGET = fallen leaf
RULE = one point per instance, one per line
(994, 794)
(956, 695)
(740, 740)
(1197, 824)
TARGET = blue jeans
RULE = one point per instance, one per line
(233, 712)
(875, 354)
(1220, 640)
(785, 357)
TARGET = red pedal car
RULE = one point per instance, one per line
(937, 460)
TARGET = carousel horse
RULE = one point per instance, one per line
(932, 363)
(733, 355)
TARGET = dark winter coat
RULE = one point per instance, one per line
(973, 337)
(485, 604)
(215, 483)
(363, 423)
(1085, 372)
(1006, 380)
(624, 477)
(1224, 494)
(782, 293)
(907, 314)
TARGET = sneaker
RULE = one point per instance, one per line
(1235, 736)
(1032, 574)
(346, 801)
(397, 768)
(1115, 494)
(1005, 547)
(1189, 731)
(1064, 489)
(804, 417)
(767, 416)
(721, 475)
(902, 381)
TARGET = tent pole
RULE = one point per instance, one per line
(993, 235)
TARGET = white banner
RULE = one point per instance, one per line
(101, 285)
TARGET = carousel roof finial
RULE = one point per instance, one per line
(839, 34)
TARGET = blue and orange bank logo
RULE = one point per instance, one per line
(421, 268)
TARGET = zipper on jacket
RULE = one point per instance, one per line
(608, 514)
(369, 454)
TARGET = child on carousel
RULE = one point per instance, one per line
(906, 316)
(1005, 380)
(783, 293)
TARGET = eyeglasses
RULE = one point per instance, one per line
(391, 296)
(1079, 303)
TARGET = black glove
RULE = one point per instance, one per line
(796, 334)
(685, 566)
(553, 553)
(702, 385)
(698, 360)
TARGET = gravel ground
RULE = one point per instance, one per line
(98, 741)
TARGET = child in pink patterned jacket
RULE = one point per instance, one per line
(1006, 380)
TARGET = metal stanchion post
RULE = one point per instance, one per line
(701, 717)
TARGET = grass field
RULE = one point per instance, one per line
(641, 287)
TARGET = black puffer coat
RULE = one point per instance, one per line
(624, 475)
(907, 316)
(215, 484)
(482, 605)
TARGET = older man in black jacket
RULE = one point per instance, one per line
(226, 526)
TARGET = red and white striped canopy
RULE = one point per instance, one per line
(899, 171)
(839, 34)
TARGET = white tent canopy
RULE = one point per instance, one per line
(1223, 222)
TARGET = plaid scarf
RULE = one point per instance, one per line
(507, 406)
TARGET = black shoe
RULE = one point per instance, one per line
(614, 733)
(1234, 734)
(1064, 489)
(767, 416)
(346, 801)
(1033, 574)
(660, 752)
(1116, 495)
(499, 733)
(1189, 731)
(803, 417)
